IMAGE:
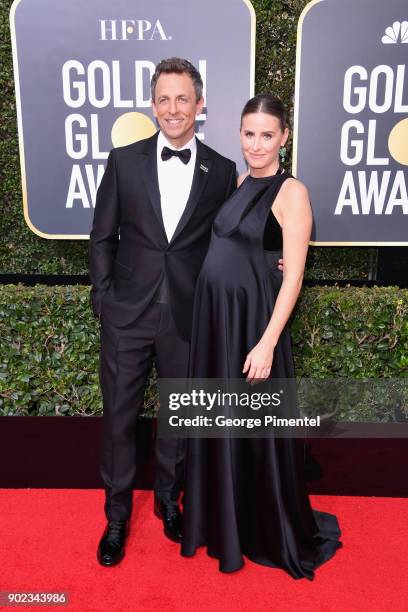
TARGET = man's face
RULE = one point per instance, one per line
(175, 107)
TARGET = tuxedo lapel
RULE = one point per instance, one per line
(200, 178)
(151, 178)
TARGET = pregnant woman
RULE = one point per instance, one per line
(246, 496)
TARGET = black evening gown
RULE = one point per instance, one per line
(246, 496)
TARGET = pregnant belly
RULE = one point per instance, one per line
(227, 269)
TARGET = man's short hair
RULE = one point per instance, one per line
(179, 66)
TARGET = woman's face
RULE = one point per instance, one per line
(261, 138)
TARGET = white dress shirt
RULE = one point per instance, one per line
(175, 180)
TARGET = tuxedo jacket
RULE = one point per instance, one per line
(130, 255)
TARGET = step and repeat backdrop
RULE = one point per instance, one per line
(82, 73)
(351, 120)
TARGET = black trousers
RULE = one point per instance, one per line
(126, 358)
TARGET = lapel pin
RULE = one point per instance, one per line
(204, 168)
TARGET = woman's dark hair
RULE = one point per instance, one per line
(179, 66)
(267, 103)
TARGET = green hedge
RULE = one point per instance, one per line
(49, 345)
(21, 251)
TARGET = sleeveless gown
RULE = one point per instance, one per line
(247, 497)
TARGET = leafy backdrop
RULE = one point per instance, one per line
(49, 345)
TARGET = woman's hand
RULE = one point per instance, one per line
(259, 362)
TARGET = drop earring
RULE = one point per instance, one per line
(282, 154)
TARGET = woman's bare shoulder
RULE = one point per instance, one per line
(293, 199)
(295, 188)
(242, 178)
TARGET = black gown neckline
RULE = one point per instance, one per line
(267, 178)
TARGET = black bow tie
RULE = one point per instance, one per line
(183, 154)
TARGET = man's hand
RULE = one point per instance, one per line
(280, 265)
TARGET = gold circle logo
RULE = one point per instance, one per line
(131, 127)
(398, 142)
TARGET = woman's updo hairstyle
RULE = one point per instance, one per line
(267, 103)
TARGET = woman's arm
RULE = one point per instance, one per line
(296, 220)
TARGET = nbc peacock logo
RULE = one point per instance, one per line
(397, 33)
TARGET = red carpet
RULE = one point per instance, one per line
(48, 541)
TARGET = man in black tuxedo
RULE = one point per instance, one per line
(161, 196)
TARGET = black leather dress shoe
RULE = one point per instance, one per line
(111, 549)
(170, 515)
